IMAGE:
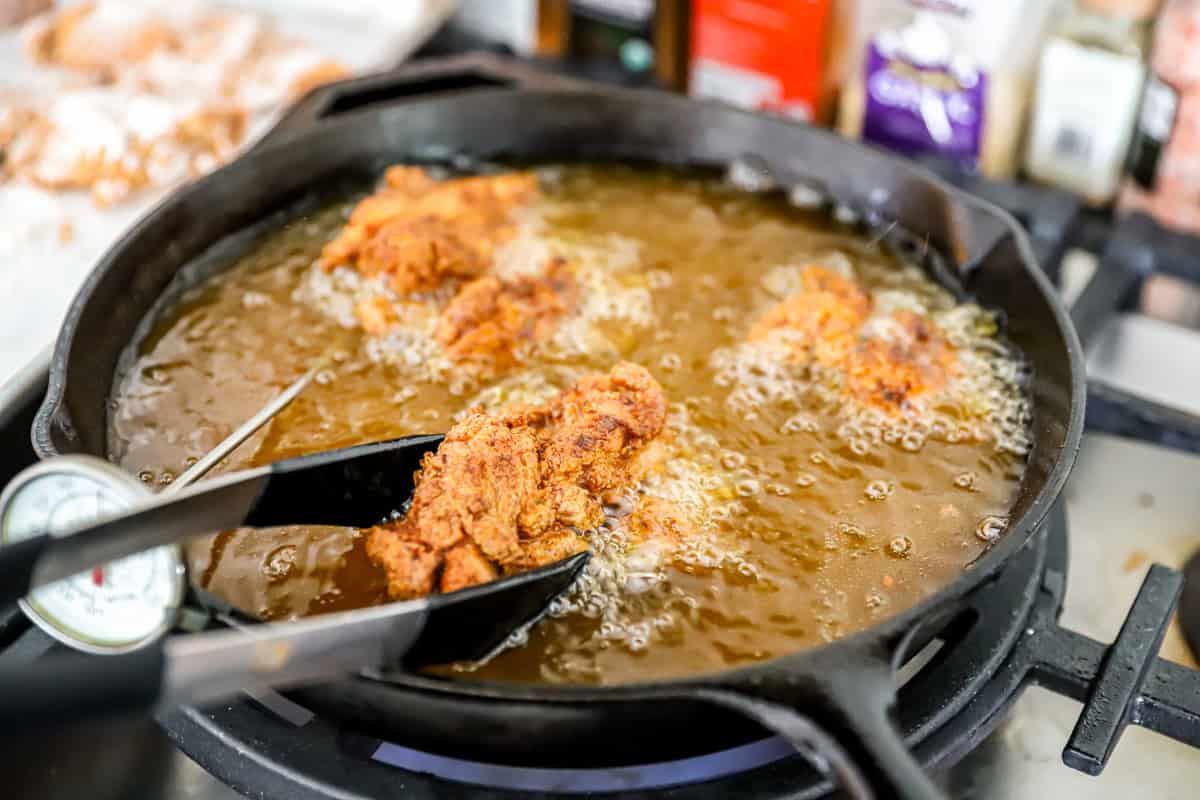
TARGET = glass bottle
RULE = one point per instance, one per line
(1089, 85)
(1163, 172)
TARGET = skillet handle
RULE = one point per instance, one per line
(841, 719)
(418, 79)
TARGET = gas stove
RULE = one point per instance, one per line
(974, 704)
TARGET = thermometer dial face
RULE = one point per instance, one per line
(112, 608)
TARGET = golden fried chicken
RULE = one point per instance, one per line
(821, 320)
(469, 492)
(516, 490)
(419, 233)
(466, 565)
(658, 519)
(887, 372)
(593, 436)
(375, 314)
(823, 323)
(489, 318)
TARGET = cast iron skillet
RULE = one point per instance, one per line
(351, 130)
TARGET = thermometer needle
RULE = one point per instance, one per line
(98, 576)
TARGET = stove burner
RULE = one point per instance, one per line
(583, 781)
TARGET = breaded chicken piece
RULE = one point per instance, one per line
(600, 425)
(821, 320)
(886, 373)
(513, 491)
(469, 492)
(411, 565)
(83, 37)
(417, 254)
(823, 323)
(376, 315)
(659, 519)
(595, 435)
(419, 233)
(466, 565)
(546, 549)
(489, 318)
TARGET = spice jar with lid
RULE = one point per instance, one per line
(1089, 83)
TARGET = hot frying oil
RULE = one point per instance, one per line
(818, 517)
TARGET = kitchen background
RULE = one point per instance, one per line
(104, 106)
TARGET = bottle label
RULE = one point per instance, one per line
(761, 54)
(1160, 105)
(925, 110)
(1084, 113)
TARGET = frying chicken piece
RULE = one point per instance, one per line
(823, 323)
(466, 566)
(375, 314)
(489, 318)
(469, 492)
(600, 425)
(887, 372)
(411, 565)
(419, 253)
(512, 491)
(660, 520)
(596, 433)
(419, 233)
(821, 320)
(547, 549)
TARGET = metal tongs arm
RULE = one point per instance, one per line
(65, 687)
(353, 487)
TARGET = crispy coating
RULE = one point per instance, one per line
(515, 490)
(489, 318)
(411, 565)
(822, 323)
(821, 320)
(656, 518)
(375, 314)
(420, 233)
(887, 373)
(546, 549)
(417, 254)
(600, 425)
(466, 565)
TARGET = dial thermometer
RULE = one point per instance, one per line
(111, 609)
(132, 601)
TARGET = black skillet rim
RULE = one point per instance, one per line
(890, 630)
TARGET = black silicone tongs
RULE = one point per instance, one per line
(355, 487)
